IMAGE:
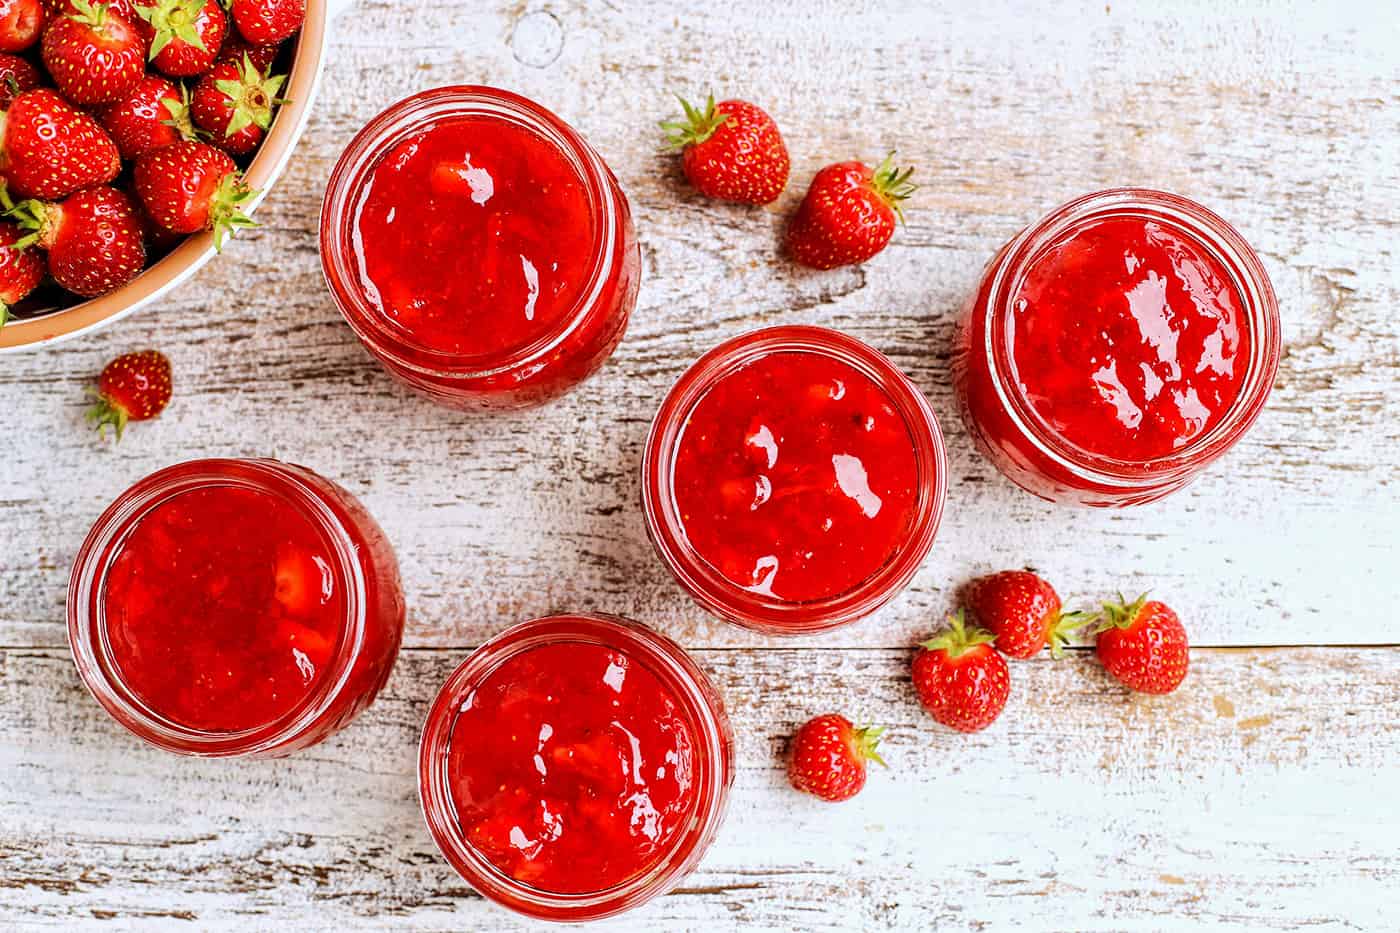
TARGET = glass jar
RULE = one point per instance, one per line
(693, 700)
(548, 362)
(922, 495)
(1022, 444)
(145, 544)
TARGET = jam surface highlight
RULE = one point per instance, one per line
(473, 236)
(1129, 339)
(222, 608)
(572, 768)
(795, 476)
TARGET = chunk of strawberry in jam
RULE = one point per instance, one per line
(795, 476)
(571, 768)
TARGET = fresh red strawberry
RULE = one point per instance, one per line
(829, 755)
(1023, 612)
(264, 21)
(234, 104)
(93, 239)
(731, 151)
(133, 387)
(184, 35)
(849, 214)
(960, 678)
(153, 114)
(262, 56)
(48, 149)
(21, 268)
(21, 23)
(94, 56)
(16, 76)
(191, 186)
(1143, 645)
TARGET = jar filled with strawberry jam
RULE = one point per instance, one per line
(479, 248)
(575, 767)
(793, 480)
(235, 607)
(1116, 347)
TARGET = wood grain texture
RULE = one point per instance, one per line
(1233, 803)
(1262, 796)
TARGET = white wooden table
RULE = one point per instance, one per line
(1264, 794)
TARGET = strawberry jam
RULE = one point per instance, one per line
(223, 611)
(804, 468)
(235, 607)
(1116, 347)
(575, 756)
(479, 248)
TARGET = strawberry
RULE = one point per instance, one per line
(21, 23)
(1023, 612)
(94, 56)
(152, 115)
(829, 755)
(184, 35)
(21, 268)
(48, 149)
(132, 387)
(262, 56)
(16, 76)
(1143, 645)
(848, 214)
(93, 239)
(234, 103)
(960, 678)
(191, 186)
(264, 21)
(731, 151)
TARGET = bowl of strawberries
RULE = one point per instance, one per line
(135, 137)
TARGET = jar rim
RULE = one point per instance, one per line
(1210, 232)
(663, 658)
(412, 114)
(88, 634)
(734, 603)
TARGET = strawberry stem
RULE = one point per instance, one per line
(226, 208)
(959, 637)
(1121, 614)
(893, 185)
(697, 126)
(868, 743)
(1065, 625)
(103, 413)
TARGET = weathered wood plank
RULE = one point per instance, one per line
(1240, 801)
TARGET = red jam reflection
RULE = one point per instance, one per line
(795, 476)
(1128, 339)
(572, 768)
(473, 236)
(222, 609)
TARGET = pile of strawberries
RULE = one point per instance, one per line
(133, 145)
(732, 151)
(962, 678)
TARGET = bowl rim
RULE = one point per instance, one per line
(197, 249)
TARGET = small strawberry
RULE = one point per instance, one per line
(262, 56)
(849, 214)
(16, 76)
(133, 387)
(93, 239)
(829, 755)
(48, 149)
(21, 268)
(184, 35)
(191, 186)
(152, 115)
(21, 23)
(1023, 612)
(731, 151)
(1143, 645)
(960, 678)
(234, 104)
(264, 21)
(94, 56)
